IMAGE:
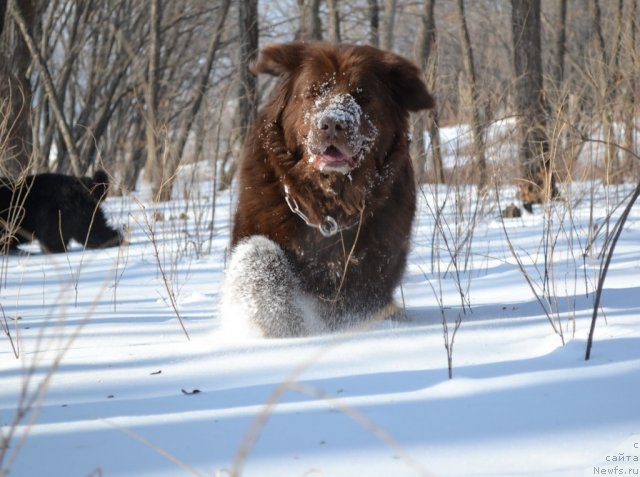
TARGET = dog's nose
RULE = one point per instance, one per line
(338, 118)
(331, 123)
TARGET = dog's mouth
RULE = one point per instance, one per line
(333, 159)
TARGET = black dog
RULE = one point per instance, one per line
(53, 209)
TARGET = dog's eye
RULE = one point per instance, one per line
(360, 95)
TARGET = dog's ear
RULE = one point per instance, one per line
(100, 186)
(278, 59)
(404, 79)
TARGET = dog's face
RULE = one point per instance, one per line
(340, 104)
(335, 130)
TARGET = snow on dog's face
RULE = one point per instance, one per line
(337, 134)
(340, 104)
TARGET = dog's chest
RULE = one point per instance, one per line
(324, 263)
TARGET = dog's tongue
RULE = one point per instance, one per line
(333, 154)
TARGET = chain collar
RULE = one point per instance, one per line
(328, 227)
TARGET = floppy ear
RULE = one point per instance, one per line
(278, 59)
(404, 79)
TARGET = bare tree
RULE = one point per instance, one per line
(173, 157)
(15, 90)
(153, 167)
(631, 92)
(334, 20)
(607, 69)
(247, 96)
(119, 83)
(538, 183)
(310, 27)
(3, 10)
(47, 82)
(477, 127)
(426, 58)
(90, 98)
(88, 75)
(388, 24)
(373, 11)
(561, 43)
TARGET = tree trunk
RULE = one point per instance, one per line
(388, 24)
(374, 22)
(607, 75)
(153, 167)
(247, 95)
(433, 124)
(310, 27)
(15, 92)
(560, 99)
(426, 55)
(477, 128)
(561, 45)
(3, 9)
(538, 183)
(614, 75)
(334, 21)
(631, 163)
(134, 157)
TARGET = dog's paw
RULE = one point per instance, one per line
(260, 291)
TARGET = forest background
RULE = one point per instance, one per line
(139, 88)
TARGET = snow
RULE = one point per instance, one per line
(342, 109)
(128, 394)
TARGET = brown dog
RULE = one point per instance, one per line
(326, 189)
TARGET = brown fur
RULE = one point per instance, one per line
(371, 196)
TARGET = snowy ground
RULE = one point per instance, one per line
(130, 395)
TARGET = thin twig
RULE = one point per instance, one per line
(150, 233)
(6, 328)
(603, 274)
(348, 257)
(557, 330)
